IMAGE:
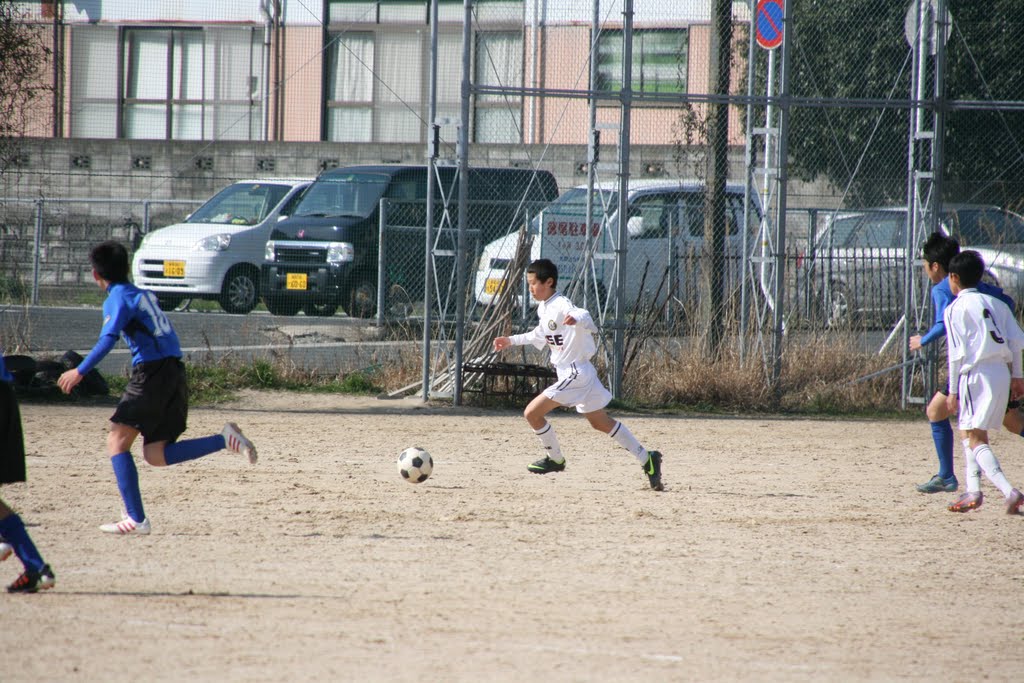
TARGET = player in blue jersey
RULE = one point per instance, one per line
(155, 402)
(14, 538)
(938, 251)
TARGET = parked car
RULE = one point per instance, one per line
(217, 251)
(326, 254)
(666, 235)
(857, 264)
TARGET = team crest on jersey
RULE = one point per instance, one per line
(552, 325)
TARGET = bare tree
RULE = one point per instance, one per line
(25, 58)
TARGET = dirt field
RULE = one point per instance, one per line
(782, 550)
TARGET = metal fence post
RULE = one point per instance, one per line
(381, 261)
(38, 246)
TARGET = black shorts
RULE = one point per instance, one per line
(155, 402)
(12, 444)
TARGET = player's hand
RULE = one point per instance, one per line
(1016, 387)
(69, 380)
(569, 320)
(915, 342)
(951, 403)
(502, 343)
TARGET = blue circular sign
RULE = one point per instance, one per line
(769, 23)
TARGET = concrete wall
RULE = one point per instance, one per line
(145, 169)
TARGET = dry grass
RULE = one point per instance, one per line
(817, 376)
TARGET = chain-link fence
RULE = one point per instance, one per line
(736, 173)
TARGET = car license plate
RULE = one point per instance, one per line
(493, 285)
(295, 281)
(174, 269)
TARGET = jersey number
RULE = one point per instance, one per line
(993, 330)
(554, 339)
(148, 303)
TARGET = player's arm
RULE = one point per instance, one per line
(938, 330)
(115, 317)
(955, 353)
(581, 317)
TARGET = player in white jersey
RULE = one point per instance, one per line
(568, 332)
(985, 344)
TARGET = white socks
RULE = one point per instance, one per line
(547, 437)
(973, 474)
(990, 465)
(625, 438)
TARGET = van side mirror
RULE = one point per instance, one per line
(635, 226)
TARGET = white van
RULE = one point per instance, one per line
(217, 251)
(665, 217)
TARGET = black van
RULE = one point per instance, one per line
(325, 254)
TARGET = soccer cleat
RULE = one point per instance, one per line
(545, 465)
(971, 500)
(1014, 501)
(235, 441)
(32, 582)
(937, 485)
(126, 526)
(653, 470)
(5, 551)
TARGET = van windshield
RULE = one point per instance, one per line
(351, 194)
(574, 203)
(240, 204)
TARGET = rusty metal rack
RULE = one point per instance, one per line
(506, 380)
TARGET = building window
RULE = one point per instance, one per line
(499, 62)
(377, 69)
(377, 90)
(659, 60)
(167, 84)
(376, 84)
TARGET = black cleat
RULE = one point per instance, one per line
(653, 470)
(32, 582)
(545, 465)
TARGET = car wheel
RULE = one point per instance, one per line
(399, 302)
(839, 306)
(320, 310)
(279, 307)
(169, 302)
(361, 299)
(239, 292)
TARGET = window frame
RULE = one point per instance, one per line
(614, 57)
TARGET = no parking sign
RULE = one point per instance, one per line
(768, 20)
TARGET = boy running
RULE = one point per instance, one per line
(937, 252)
(567, 331)
(984, 338)
(155, 402)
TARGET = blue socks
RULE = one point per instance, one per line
(128, 484)
(942, 435)
(13, 531)
(180, 451)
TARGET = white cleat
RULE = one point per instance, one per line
(5, 551)
(127, 526)
(235, 441)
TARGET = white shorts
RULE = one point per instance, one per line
(579, 386)
(982, 396)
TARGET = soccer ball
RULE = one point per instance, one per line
(415, 465)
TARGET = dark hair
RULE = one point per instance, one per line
(969, 267)
(543, 269)
(939, 248)
(110, 261)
